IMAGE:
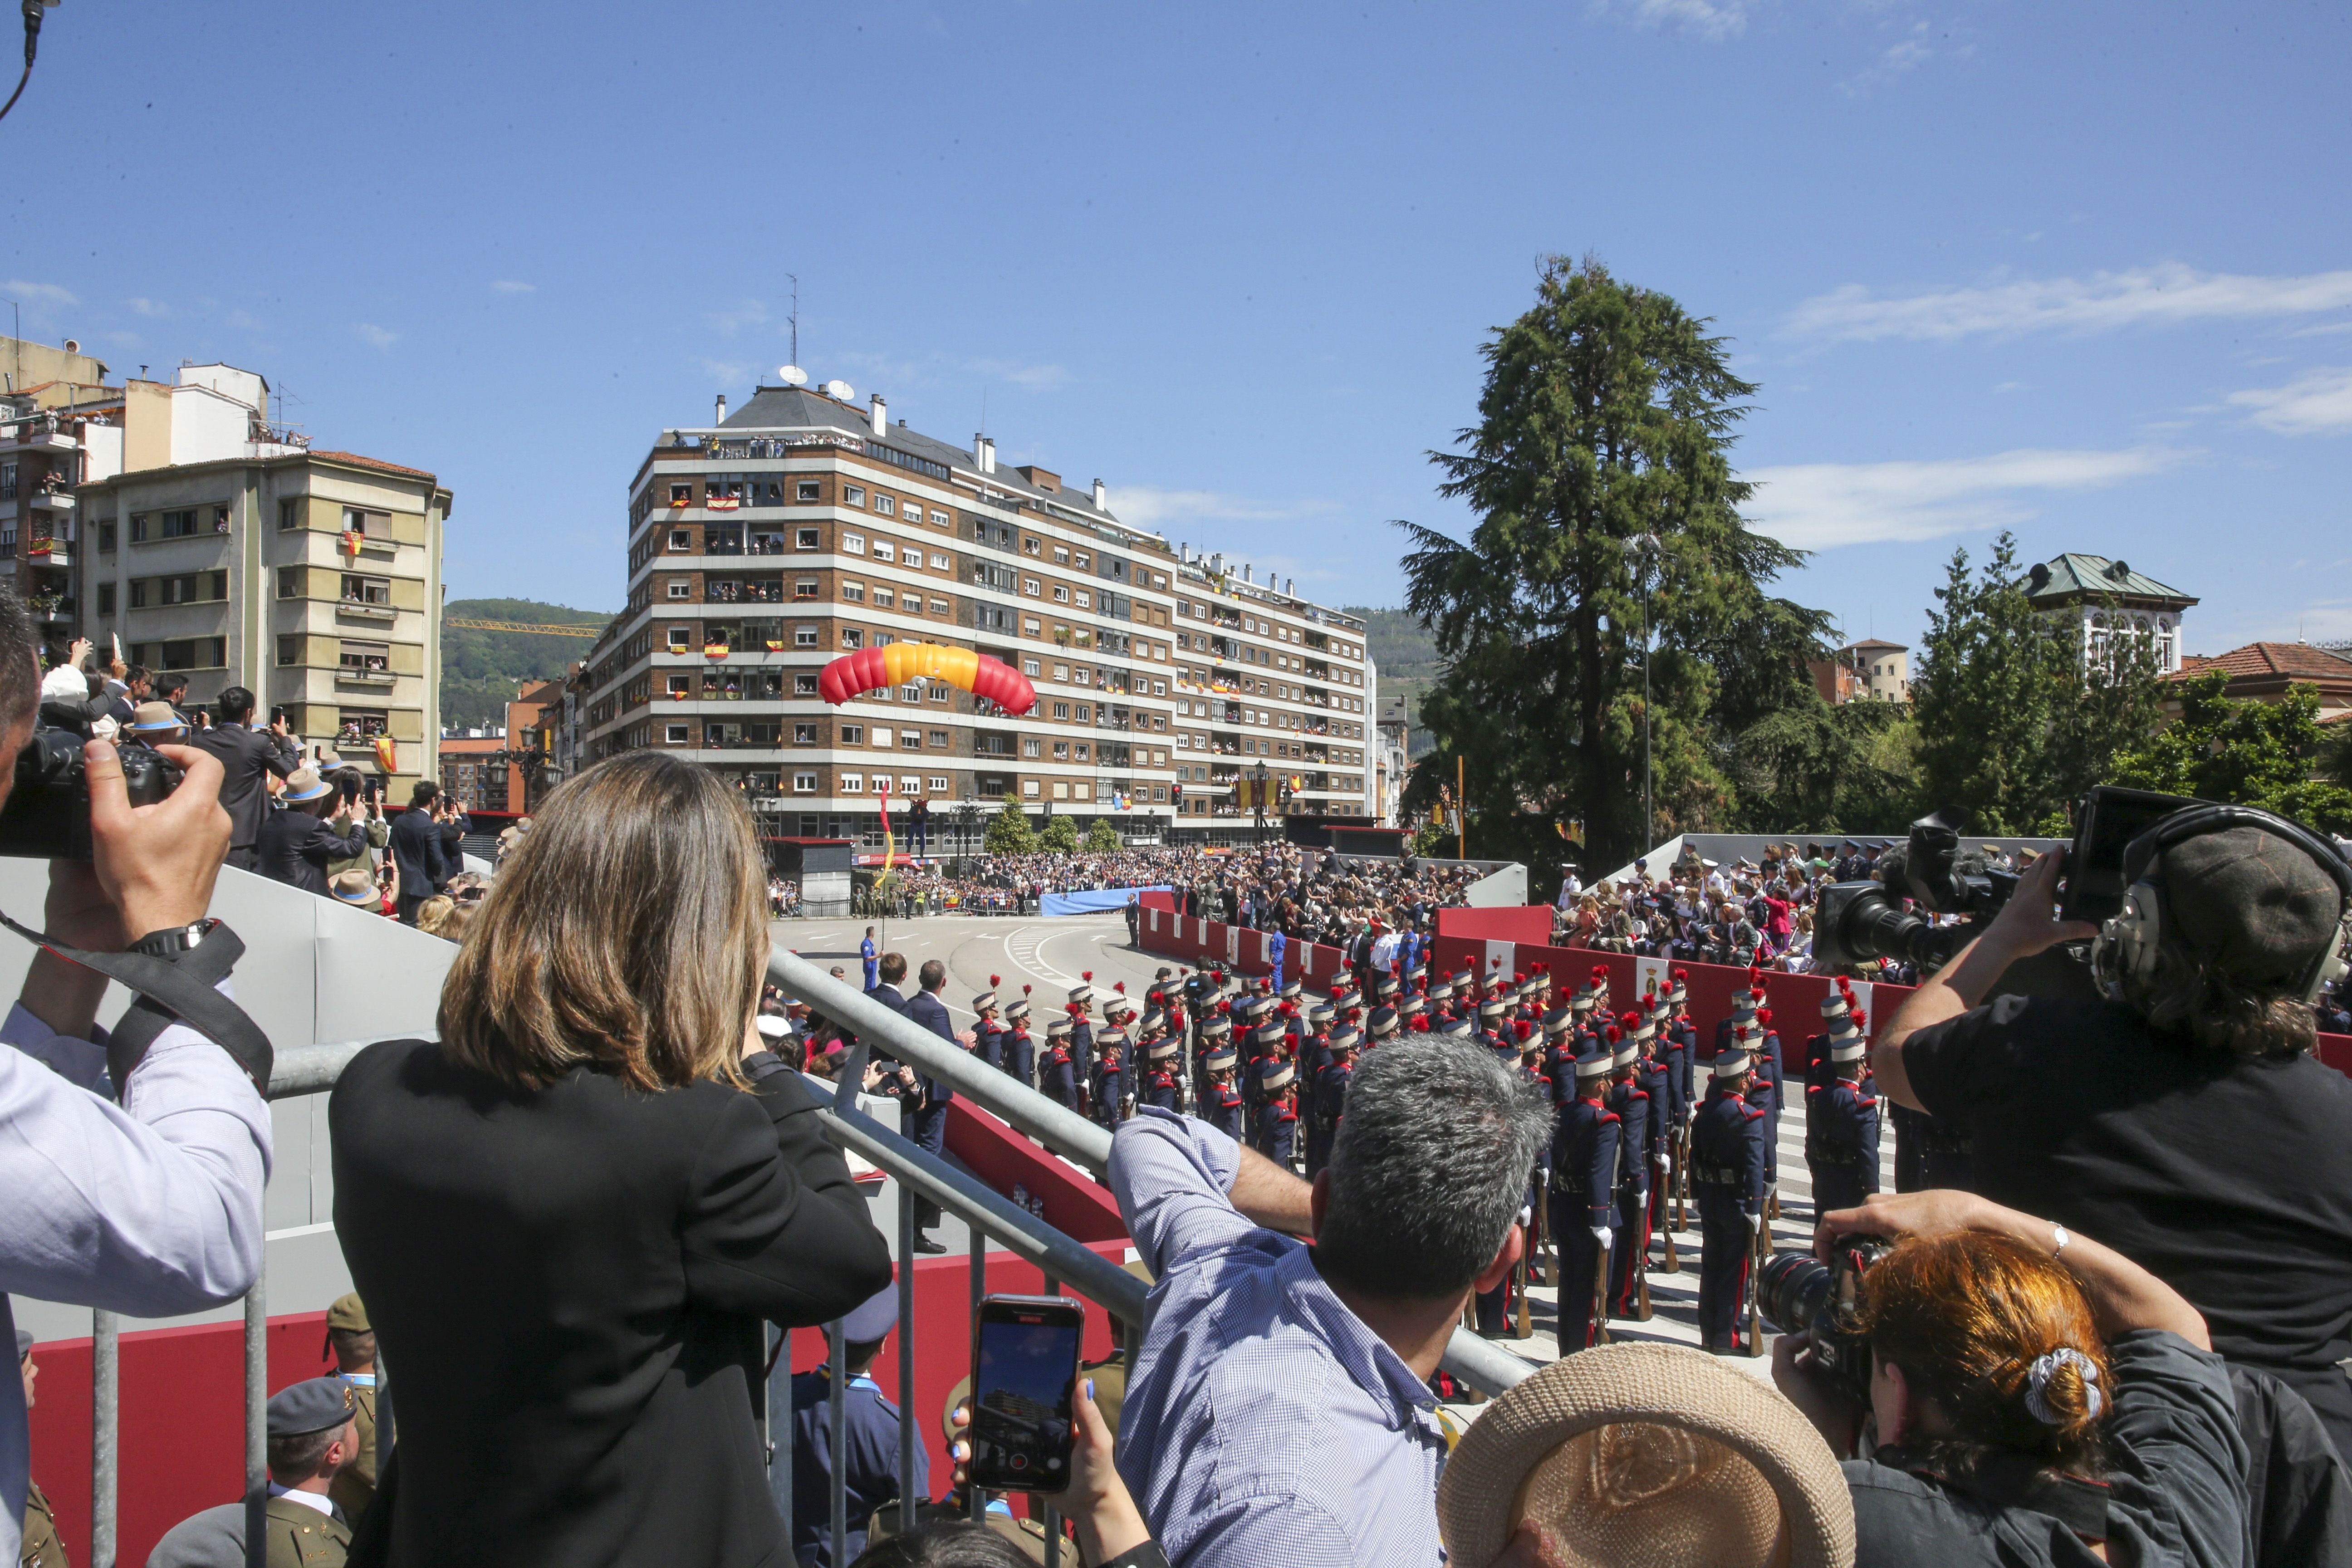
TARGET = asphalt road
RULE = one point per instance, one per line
(1049, 954)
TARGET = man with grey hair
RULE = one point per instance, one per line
(1280, 1411)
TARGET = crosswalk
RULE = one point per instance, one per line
(1674, 1298)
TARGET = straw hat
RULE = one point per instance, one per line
(1646, 1453)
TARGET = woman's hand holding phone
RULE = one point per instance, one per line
(1097, 1500)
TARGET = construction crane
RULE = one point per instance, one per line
(522, 627)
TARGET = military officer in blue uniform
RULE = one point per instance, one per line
(987, 1032)
(869, 1458)
(1161, 1087)
(1111, 1073)
(1684, 1058)
(1728, 1177)
(1058, 1073)
(1278, 1115)
(1836, 1007)
(1329, 1097)
(1221, 1102)
(1636, 1126)
(1559, 1054)
(1843, 1146)
(1764, 1078)
(1020, 1050)
(1215, 1036)
(1744, 1004)
(1650, 1076)
(1383, 1025)
(1583, 1194)
(1082, 1024)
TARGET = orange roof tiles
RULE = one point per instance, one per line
(369, 462)
(2295, 661)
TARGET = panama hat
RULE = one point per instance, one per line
(1646, 1453)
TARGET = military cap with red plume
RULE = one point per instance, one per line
(1764, 1016)
(1613, 1034)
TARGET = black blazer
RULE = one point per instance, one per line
(568, 1287)
(246, 753)
(296, 848)
(415, 845)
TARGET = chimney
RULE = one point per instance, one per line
(1247, 573)
(881, 416)
(983, 453)
(1217, 563)
(720, 417)
(1290, 587)
(1098, 496)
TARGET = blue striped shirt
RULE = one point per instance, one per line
(1264, 1423)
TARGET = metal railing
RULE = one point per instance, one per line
(992, 1219)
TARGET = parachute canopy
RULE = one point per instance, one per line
(871, 669)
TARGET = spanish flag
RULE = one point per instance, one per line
(386, 755)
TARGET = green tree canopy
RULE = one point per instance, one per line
(1009, 832)
(2247, 753)
(1060, 836)
(1813, 767)
(1102, 838)
(1601, 462)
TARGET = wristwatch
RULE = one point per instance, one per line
(173, 941)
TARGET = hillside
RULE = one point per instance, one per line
(1408, 663)
(480, 671)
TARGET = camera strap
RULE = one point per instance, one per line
(170, 993)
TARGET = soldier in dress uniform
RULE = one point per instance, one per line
(1383, 1025)
(1330, 1094)
(352, 1344)
(1216, 1036)
(869, 1453)
(1081, 1005)
(1559, 1054)
(1637, 1122)
(1220, 1103)
(1764, 1077)
(1583, 1194)
(1685, 1038)
(1059, 1072)
(1110, 1076)
(1020, 1050)
(1835, 1009)
(1728, 1176)
(1493, 1308)
(1650, 1076)
(312, 1434)
(1313, 1047)
(1429, 1009)
(1494, 1022)
(40, 1546)
(1160, 1085)
(1841, 1144)
(1744, 1004)
(1277, 1114)
(987, 1033)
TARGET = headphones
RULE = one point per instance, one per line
(2127, 945)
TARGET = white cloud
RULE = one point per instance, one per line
(1712, 20)
(148, 307)
(2165, 295)
(726, 373)
(512, 286)
(1027, 377)
(374, 336)
(744, 313)
(2313, 403)
(1148, 505)
(1819, 506)
(35, 293)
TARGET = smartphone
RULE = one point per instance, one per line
(1024, 1371)
(277, 715)
(2112, 818)
(351, 786)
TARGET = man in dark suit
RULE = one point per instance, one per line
(923, 1115)
(297, 845)
(415, 847)
(244, 754)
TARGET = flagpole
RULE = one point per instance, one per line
(1461, 812)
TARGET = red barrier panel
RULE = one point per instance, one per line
(1157, 899)
(1075, 1203)
(1528, 923)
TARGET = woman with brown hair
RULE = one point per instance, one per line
(570, 1214)
(2034, 1398)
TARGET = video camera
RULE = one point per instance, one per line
(1859, 922)
(1798, 1291)
(47, 814)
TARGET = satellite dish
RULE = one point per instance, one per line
(840, 389)
(792, 375)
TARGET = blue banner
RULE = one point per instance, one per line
(1093, 902)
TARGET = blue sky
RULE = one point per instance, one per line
(2079, 270)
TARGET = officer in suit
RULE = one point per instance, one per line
(312, 1434)
(1583, 1194)
(1110, 1076)
(869, 1457)
(352, 1344)
(1020, 1050)
(1330, 1094)
(40, 1547)
(1842, 1145)
(1637, 1124)
(1161, 1087)
(1728, 1175)
(923, 1115)
(987, 1033)
(1221, 1102)
(1278, 1115)
(1058, 1074)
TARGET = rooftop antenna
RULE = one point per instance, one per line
(796, 316)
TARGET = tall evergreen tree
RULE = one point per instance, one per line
(1607, 417)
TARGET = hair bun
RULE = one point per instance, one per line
(2072, 1377)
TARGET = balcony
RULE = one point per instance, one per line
(365, 610)
(49, 608)
(46, 551)
(346, 675)
(49, 499)
(39, 433)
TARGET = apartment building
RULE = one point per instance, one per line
(806, 526)
(51, 401)
(220, 549)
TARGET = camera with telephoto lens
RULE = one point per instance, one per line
(47, 814)
(1798, 1291)
(1857, 922)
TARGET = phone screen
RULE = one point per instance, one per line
(1024, 1370)
(2112, 818)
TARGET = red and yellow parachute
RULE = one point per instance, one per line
(871, 669)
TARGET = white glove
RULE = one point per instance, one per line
(1526, 1213)
(1666, 1161)
(1754, 1221)
(1602, 1232)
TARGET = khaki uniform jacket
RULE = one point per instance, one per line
(42, 1547)
(301, 1537)
(353, 1487)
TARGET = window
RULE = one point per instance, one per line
(1082, 751)
(887, 505)
(884, 599)
(938, 784)
(186, 653)
(1160, 689)
(1061, 595)
(941, 607)
(106, 598)
(853, 735)
(853, 591)
(366, 590)
(290, 516)
(1061, 710)
(106, 536)
(139, 522)
(938, 694)
(1032, 546)
(910, 784)
(1060, 556)
(803, 734)
(1061, 790)
(363, 658)
(910, 740)
(1086, 600)
(803, 784)
(938, 738)
(853, 495)
(679, 685)
(681, 588)
(181, 524)
(804, 685)
(1029, 586)
(676, 734)
(804, 637)
(1029, 789)
(881, 783)
(885, 551)
(681, 539)
(852, 637)
(681, 493)
(680, 638)
(290, 582)
(941, 520)
(808, 489)
(1031, 748)
(1029, 668)
(1061, 750)
(290, 650)
(1029, 626)
(805, 539)
(1062, 672)
(910, 692)
(938, 562)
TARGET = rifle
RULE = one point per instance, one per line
(1760, 1252)
(1523, 1328)
(1599, 1333)
(1670, 1204)
(1682, 1188)
(1642, 1262)
(1538, 1230)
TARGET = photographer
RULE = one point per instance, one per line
(151, 1208)
(299, 842)
(2037, 1398)
(246, 753)
(2187, 1124)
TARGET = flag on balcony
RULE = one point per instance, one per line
(721, 503)
(387, 755)
(714, 650)
(352, 540)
